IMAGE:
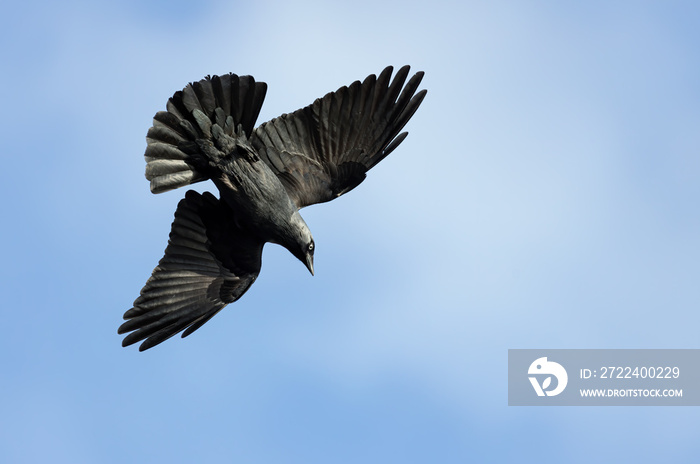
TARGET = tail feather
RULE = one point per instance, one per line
(172, 157)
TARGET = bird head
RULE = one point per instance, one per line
(305, 253)
(302, 243)
(309, 256)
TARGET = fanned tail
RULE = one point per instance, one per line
(174, 155)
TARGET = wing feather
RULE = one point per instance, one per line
(209, 262)
(325, 149)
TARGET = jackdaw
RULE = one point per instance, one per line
(264, 177)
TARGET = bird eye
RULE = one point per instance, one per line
(311, 247)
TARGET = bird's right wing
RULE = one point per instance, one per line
(209, 262)
(325, 149)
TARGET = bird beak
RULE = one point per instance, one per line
(310, 263)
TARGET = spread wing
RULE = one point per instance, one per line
(208, 263)
(325, 149)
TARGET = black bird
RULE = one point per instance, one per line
(264, 177)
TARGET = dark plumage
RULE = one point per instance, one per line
(264, 177)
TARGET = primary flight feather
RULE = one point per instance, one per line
(264, 176)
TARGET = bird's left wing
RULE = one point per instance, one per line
(208, 263)
(325, 149)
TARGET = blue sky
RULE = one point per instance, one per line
(546, 197)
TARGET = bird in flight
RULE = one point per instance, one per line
(264, 176)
